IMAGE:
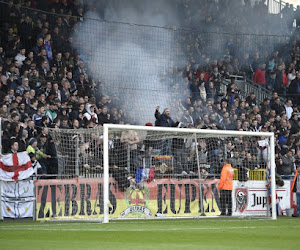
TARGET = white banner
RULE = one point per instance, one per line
(252, 198)
(17, 189)
(17, 209)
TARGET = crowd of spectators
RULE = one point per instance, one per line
(44, 83)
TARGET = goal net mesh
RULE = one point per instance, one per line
(170, 174)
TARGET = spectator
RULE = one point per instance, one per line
(251, 99)
(14, 146)
(236, 160)
(130, 140)
(164, 120)
(187, 119)
(38, 47)
(286, 164)
(32, 148)
(20, 57)
(215, 77)
(294, 89)
(288, 108)
(25, 86)
(278, 87)
(47, 45)
(211, 92)
(52, 111)
(23, 142)
(277, 106)
(38, 116)
(260, 75)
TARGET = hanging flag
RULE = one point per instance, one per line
(148, 174)
(17, 209)
(17, 189)
(15, 167)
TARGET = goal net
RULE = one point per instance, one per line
(148, 172)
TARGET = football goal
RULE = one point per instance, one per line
(144, 172)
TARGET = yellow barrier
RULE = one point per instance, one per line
(254, 175)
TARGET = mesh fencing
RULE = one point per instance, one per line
(80, 153)
(144, 164)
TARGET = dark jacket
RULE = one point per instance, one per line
(164, 121)
(278, 82)
(293, 89)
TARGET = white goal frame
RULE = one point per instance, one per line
(107, 127)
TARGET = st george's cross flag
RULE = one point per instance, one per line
(15, 167)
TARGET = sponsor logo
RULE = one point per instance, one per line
(137, 200)
(241, 199)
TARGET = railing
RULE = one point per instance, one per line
(246, 86)
(254, 175)
(275, 6)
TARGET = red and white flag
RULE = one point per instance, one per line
(15, 167)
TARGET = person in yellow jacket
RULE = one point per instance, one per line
(33, 149)
(226, 187)
(296, 189)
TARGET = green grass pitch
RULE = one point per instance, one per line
(216, 233)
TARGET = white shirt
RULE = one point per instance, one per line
(20, 58)
(289, 111)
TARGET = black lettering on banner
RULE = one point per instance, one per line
(53, 200)
(82, 196)
(58, 199)
(112, 198)
(200, 202)
(188, 198)
(205, 194)
(254, 200)
(161, 197)
(87, 199)
(99, 200)
(173, 198)
(265, 200)
(73, 199)
(215, 197)
(259, 200)
(67, 200)
(43, 201)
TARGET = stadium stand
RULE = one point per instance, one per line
(45, 80)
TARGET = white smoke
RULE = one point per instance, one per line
(131, 60)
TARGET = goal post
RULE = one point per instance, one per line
(165, 136)
(145, 172)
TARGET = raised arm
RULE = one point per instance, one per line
(157, 113)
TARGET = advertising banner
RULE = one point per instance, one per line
(83, 199)
(251, 198)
